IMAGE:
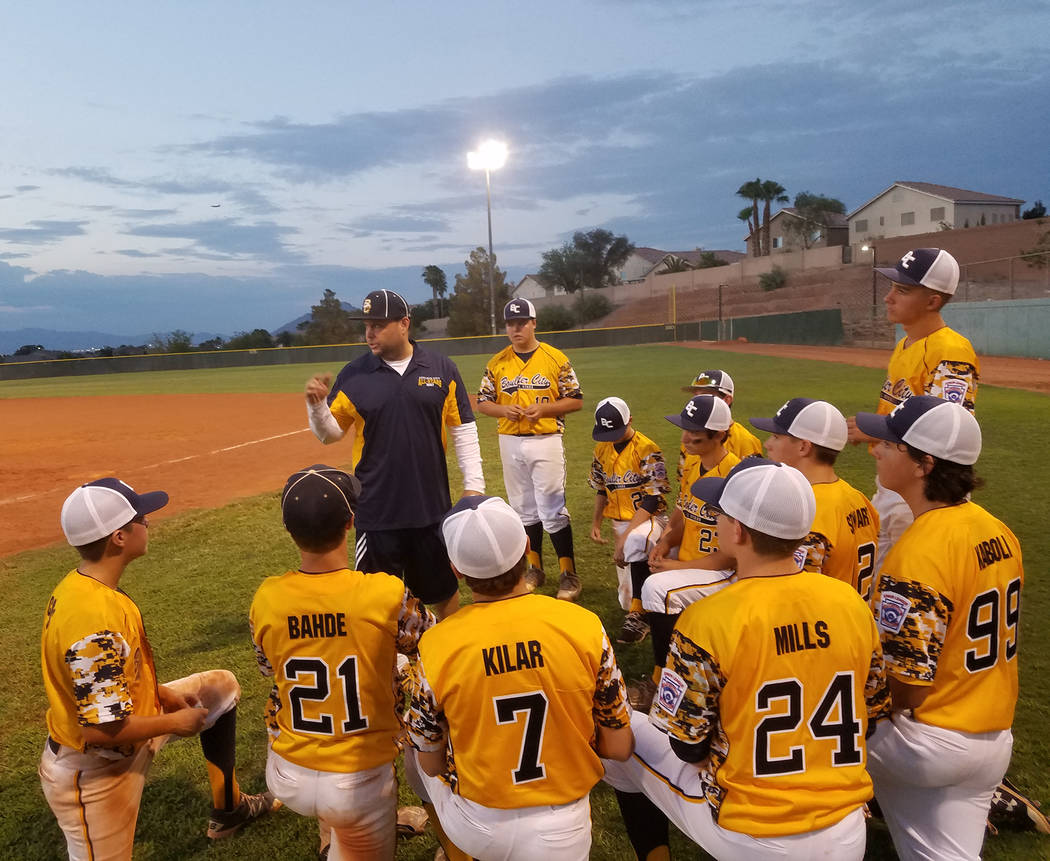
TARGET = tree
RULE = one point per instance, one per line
(178, 341)
(752, 191)
(554, 318)
(773, 280)
(257, 339)
(591, 306)
(434, 276)
(330, 323)
(563, 268)
(216, 343)
(771, 191)
(468, 312)
(708, 260)
(1037, 211)
(814, 213)
(590, 260)
(28, 349)
(675, 264)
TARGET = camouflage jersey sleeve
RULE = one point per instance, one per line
(610, 696)
(97, 665)
(817, 548)
(656, 484)
(955, 382)
(568, 385)
(686, 703)
(913, 619)
(597, 477)
(877, 691)
(413, 619)
(260, 656)
(426, 723)
(487, 389)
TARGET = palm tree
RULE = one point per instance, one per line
(752, 191)
(769, 190)
(745, 216)
(434, 276)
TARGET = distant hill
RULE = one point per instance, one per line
(293, 326)
(74, 341)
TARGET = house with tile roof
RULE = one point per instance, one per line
(907, 208)
(835, 231)
(537, 287)
(645, 261)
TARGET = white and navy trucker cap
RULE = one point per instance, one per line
(713, 379)
(944, 429)
(99, 508)
(610, 418)
(484, 537)
(703, 412)
(771, 498)
(925, 267)
(519, 309)
(817, 421)
(382, 305)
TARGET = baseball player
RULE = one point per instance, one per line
(629, 477)
(328, 636)
(107, 714)
(740, 440)
(755, 745)
(931, 359)
(520, 694)
(396, 405)
(808, 435)
(948, 602)
(530, 387)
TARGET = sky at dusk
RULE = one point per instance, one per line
(214, 166)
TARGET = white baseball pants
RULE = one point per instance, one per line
(640, 542)
(670, 592)
(534, 475)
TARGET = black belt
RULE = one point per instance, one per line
(53, 745)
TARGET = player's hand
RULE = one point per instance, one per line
(657, 554)
(534, 412)
(188, 721)
(172, 701)
(317, 388)
(513, 412)
(618, 556)
(596, 534)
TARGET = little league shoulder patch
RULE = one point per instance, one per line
(671, 691)
(893, 610)
(954, 390)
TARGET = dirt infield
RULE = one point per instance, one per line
(204, 450)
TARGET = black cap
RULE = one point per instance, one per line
(382, 305)
(319, 497)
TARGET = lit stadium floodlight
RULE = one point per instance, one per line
(489, 156)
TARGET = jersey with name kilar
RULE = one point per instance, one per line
(700, 536)
(520, 683)
(329, 642)
(399, 447)
(942, 364)
(546, 377)
(949, 604)
(843, 540)
(628, 476)
(782, 675)
(97, 662)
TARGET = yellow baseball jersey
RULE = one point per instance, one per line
(948, 604)
(740, 442)
(520, 683)
(628, 476)
(700, 536)
(97, 662)
(844, 537)
(329, 642)
(783, 677)
(942, 364)
(546, 377)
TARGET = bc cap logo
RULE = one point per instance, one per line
(515, 307)
(906, 259)
(606, 423)
(690, 408)
(367, 306)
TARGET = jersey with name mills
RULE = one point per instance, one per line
(942, 364)
(97, 662)
(700, 536)
(949, 606)
(521, 683)
(844, 537)
(628, 476)
(329, 642)
(545, 377)
(399, 449)
(784, 676)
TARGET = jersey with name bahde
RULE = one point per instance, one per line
(329, 641)
(97, 662)
(521, 683)
(844, 537)
(628, 476)
(783, 676)
(942, 364)
(948, 604)
(740, 442)
(399, 449)
(700, 536)
(545, 377)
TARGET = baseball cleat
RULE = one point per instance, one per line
(1014, 810)
(640, 694)
(534, 578)
(225, 823)
(569, 587)
(634, 630)
(411, 822)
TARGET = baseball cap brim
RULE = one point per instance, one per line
(768, 425)
(606, 435)
(150, 502)
(708, 489)
(876, 426)
(897, 276)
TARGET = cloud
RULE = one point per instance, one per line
(371, 224)
(12, 255)
(145, 213)
(42, 232)
(134, 252)
(22, 189)
(220, 239)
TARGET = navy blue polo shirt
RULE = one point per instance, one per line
(399, 449)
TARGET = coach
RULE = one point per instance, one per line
(395, 404)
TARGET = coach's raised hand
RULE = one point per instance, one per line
(317, 388)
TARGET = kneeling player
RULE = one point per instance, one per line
(329, 637)
(520, 694)
(755, 744)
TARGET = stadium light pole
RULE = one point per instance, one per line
(489, 156)
(874, 282)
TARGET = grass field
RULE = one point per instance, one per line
(195, 587)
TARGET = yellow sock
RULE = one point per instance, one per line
(636, 605)
(217, 781)
(567, 564)
(660, 853)
(452, 852)
(534, 559)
